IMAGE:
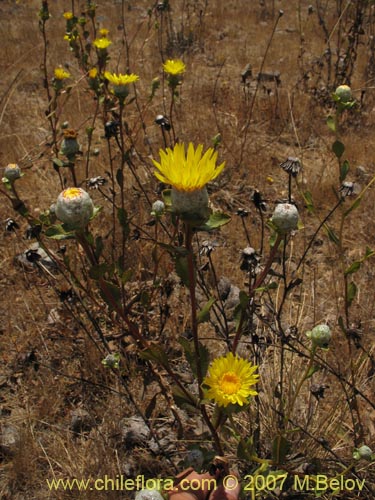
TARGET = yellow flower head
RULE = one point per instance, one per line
(121, 79)
(102, 43)
(176, 67)
(103, 32)
(70, 37)
(93, 73)
(230, 379)
(68, 15)
(187, 172)
(61, 74)
(71, 193)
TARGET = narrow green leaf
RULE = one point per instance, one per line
(245, 449)
(217, 219)
(122, 216)
(341, 324)
(182, 269)
(369, 253)
(155, 353)
(352, 292)
(126, 276)
(120, 177)
(204, 313)
(98, 271)
(331, 123)
(338, 148)
(110, 293)
(344, 169)
(313, 369)
(58, 233)
(191, 357)
(353, 206)
(280, 449)
(99, 246)
(182, 400)
(353, 268)
(309, 201)
(332, 235)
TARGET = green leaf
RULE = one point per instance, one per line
(338, 148)
(98, 271)
(353, 268)
(313, 369)
(183, 400)
(204, 313)
(120, 177)
(110, 293)
(344, 169)
(341, 324)
(122, 216)
(351, 293)
(191, 357)
(309, 201)
(182, 269)
(369, 253)
(245, 449)
(215, 220)
(58, 163)
(280, 449)
(126, 276)
(332, 235)
(331, 123)
(353, 206)
(99, 246)
(155, 353)
(58, 233)
(167, 197)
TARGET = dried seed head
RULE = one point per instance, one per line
(291, 165)
(347, 189)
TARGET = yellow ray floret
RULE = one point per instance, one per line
(121, 79)
(230, 379)
(187, 172)
(174, 67)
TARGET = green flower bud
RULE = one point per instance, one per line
(12, 172)
(344, 92)
(320, 336)
(158, 208)
(190, 204)
(112, 360)
(285, 218)
(364, 452)
(69, 146)
(75, 207)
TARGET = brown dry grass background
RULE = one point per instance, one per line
(39, 397)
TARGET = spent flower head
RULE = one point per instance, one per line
(364, 453)
(230, 380)
(291, 165)
(12, 172)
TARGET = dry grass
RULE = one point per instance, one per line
(52, 364)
